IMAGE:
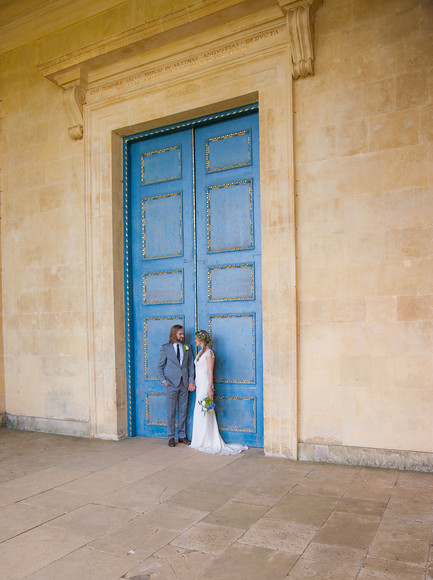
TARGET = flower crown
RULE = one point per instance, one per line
(201, 335)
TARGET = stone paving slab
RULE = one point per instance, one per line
(81, 509)
(135, 540)
(84, 563)
(252, 562)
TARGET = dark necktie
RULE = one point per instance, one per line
(178, 352)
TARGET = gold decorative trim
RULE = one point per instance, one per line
(231, 266)
(253, 353)
(131, 430)
(246, 131)
(194, 203)
(193, 123)
(164, 423)
(208, 216)
(143, 213)
(144, 155)
(254, 414)
(146, 274)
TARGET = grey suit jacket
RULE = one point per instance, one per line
(169, 368)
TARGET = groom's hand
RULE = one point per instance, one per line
(191, 387)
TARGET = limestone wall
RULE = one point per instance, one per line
(364, 201)
(2, 382)
(43, 241)
(47, 375)
(364, 170)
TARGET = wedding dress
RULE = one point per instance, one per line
(205, 433)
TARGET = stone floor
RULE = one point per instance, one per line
(79, 509)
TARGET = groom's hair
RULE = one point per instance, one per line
(173, 332)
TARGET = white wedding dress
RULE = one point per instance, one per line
(205, 433)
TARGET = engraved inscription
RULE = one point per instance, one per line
(185, 64)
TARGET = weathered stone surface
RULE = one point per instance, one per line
(208, 538)
(346, 211)
(304, 509)
(348, 529)
(402, 539)
(302, 535)
(289, 537)
(241, 561)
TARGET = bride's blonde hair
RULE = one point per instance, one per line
(206, 338)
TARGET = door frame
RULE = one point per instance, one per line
(127, 250)
(258, 73)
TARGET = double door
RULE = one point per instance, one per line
(195, 260)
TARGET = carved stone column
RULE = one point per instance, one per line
(300, 21)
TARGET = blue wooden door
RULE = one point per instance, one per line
(229, 271)
(193, 258)
(162, 260)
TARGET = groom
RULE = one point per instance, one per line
(176, 371)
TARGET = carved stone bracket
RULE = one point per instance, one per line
(300, 21)
(75, 98)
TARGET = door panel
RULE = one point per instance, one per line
(162, 256)
(228, 205)
(229, 271)
(195, 261)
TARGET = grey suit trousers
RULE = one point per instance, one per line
(177, 377)
(174, 396)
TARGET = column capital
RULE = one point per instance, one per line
(300, 22)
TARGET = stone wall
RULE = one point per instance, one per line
(364, 199)
(2, 381)
(364, 131)
(48, 378)
(47, 374)
(43, 259)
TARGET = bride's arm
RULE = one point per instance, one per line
(210, 361)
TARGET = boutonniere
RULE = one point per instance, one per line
(185, 347)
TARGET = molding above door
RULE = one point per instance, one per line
(187, 42)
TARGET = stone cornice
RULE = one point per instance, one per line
(196, 57)
(150, 36)
(144, 55)
(24, 21)
(27, 20)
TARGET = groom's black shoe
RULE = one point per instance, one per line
(184, 440)
(171, 443)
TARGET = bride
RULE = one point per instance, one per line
(205, 434)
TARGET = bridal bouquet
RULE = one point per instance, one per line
(207, 405)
